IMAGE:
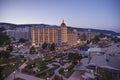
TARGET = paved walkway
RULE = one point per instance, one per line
(23, 76)
(57, 70)
(22, 66)
(57, 73)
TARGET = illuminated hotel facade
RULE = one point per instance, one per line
(72, 37)
(49, 34)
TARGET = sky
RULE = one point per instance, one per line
(98, 14)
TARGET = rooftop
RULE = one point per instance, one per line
(106, 61)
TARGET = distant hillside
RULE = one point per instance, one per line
(11, 26)
(7, 25)
(95, 30)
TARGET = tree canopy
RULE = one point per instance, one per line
(51, 47)
(32, 50)
(40, 64)
(74, 57)
(9, 48)
(44, 45)
(4, 54)
(22, 40)
(83, 37)
(4, 39)
(2, 29)
(115, 39)
(95, 40)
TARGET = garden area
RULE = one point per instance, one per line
(40, 67)
(10, 64)
(45, 67)
(74, 59)
(67, 72)
(54, 66)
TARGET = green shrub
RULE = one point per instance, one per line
(61, 70)
(57, 78)
(43, 74)
(70, 67)
(18, 79)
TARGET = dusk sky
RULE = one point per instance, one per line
(98, 14)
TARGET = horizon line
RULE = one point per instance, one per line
(57, 25)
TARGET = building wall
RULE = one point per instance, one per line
(42, 34)
(19, 33)
(49, 34)
(72, 37)
(54, 34)
(64, 34)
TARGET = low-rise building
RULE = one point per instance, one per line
(104, 62)
(19, 33)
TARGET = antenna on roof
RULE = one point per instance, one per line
(63, 21)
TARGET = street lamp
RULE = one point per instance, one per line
(38, 69)
(13, 64)
(65, 70)
(48, 78)
(32, 65)
(38, 55)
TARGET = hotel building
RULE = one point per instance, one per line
(72, 37)
(49, 34)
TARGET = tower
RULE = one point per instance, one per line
(33, 35)
(63, 33)
(63, 24)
